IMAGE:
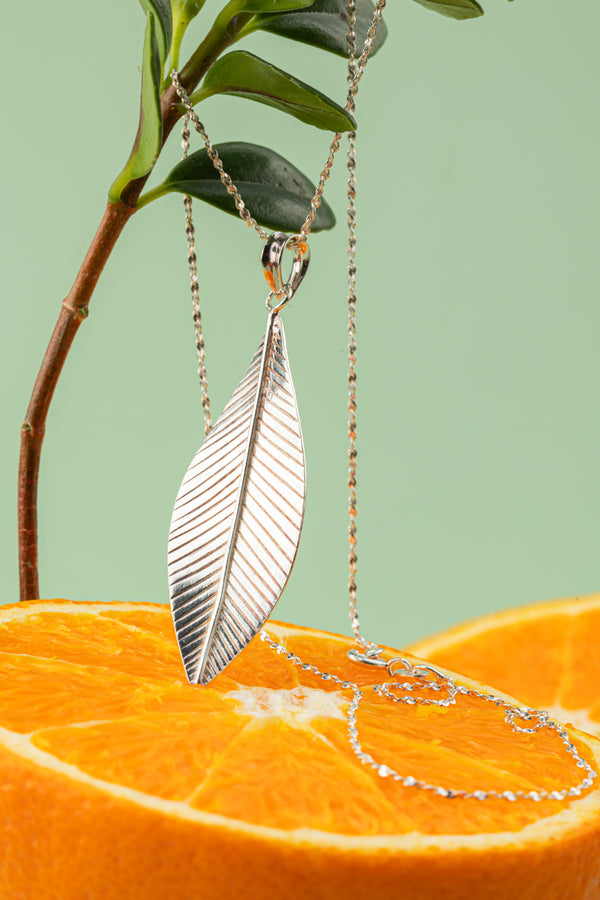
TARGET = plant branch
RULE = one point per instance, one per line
(73, 312)
(75, 307)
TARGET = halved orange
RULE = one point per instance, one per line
(120, 781)
(546, 654)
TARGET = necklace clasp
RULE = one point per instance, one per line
(372, 657)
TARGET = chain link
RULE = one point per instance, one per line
(355, 72)
(193, 264)
(352, 450)
(216, 160)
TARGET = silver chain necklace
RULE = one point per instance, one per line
(406, 678)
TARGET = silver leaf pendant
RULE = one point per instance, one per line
(238, 516)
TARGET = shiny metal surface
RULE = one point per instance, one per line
(272, 258)
(238, 516)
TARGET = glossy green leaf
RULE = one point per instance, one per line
(245, 75)
(277, 194)
(324, 25)
(455, 9)
(149, 137)
(161, 10)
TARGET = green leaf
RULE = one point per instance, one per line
(245, 75)
(148, 140)
(274, 6)
(323, 25)
(455, 9)
(187, 8)
(161, 10)
(184, 11)
(277, 194)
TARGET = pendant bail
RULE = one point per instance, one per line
(271, 257)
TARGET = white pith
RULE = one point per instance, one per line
(295, 707)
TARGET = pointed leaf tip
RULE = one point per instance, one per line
(324, 24)
(161, 10)
(149, 137)
(243, 74)
(454, 9)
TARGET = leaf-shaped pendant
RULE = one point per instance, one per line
(238, 515)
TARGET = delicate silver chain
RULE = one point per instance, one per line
(352, 450)
(193, 264)
(423, 677)
(216, 160)
(356, 70)
(420, 674)
(351, 194)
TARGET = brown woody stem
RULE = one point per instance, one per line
(75, 309)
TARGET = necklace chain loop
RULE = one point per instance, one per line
(444, 681)
(422, 677)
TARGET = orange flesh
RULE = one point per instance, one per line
(546, 654)
(106, 692)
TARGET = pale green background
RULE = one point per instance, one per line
(478, 286)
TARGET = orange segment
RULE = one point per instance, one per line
(120, 646)
(248, 787)
(544, 653)
(131, 753)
